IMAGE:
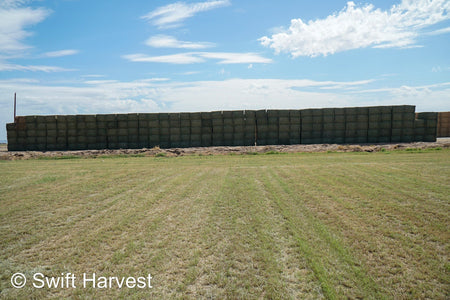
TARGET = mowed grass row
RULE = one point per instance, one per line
(290, 226)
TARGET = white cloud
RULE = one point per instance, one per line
(359, 27)
(61, 53)
(182, 58)
(440, 31)
(13, 21)
(198, 57)
(33, 68)
(189, 73)
(93, 76)
(173, 15)
(166, 41)
(13, 3)
(99, 82)
(438, 69)
(235, 58)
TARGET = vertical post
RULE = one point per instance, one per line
(14, 107)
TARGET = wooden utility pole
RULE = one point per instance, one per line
(14, 107)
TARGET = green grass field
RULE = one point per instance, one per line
(280, 226)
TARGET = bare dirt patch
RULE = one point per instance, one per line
(224, 150)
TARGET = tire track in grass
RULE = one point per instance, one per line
(167, 239)
(104, 240)
(128, 206)
(411, 186)
(173, 239)
(336, 212)
(339, 273)
(248, 245)
(86, 231)
(403, 239)
(305, 247)
(300, 279)
(345, 208)
(56, 204)
(240, 259)
(64, 194)
(400, 196)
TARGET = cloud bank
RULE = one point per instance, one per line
(200, 57)
(13, 23)
(360, 27)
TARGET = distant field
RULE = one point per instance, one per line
(280, 226)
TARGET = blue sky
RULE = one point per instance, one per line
(116, 56)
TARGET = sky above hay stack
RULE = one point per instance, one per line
(91, 57)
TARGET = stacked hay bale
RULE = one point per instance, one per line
(164, 130)
(217, 128)
(273, 127)
(283, 127)
(385, 127)
(81, 132)
(16, 135)
(133, 131)
(72, 135)
(402, 123)
(41, 132)
(294, 127)
(373, 131)
(112, 131)
(425, 127)
(28, 134)
(206, 131)
(175, 130)
(351, 124)
(443, 125)
(317, 126)
(238, 128)
(362, 126)
(51, 132)
(153, 130)
(328, 126)
(262, 127)
(228, 129)
(143, 130)
(61, 133)
(249, 128)
(185, 130)
(91, 131)
(102, 132)
(122, 131)
(196, 129)
(307, 126)
(339, 125)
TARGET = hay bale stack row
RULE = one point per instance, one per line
(380, 124)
